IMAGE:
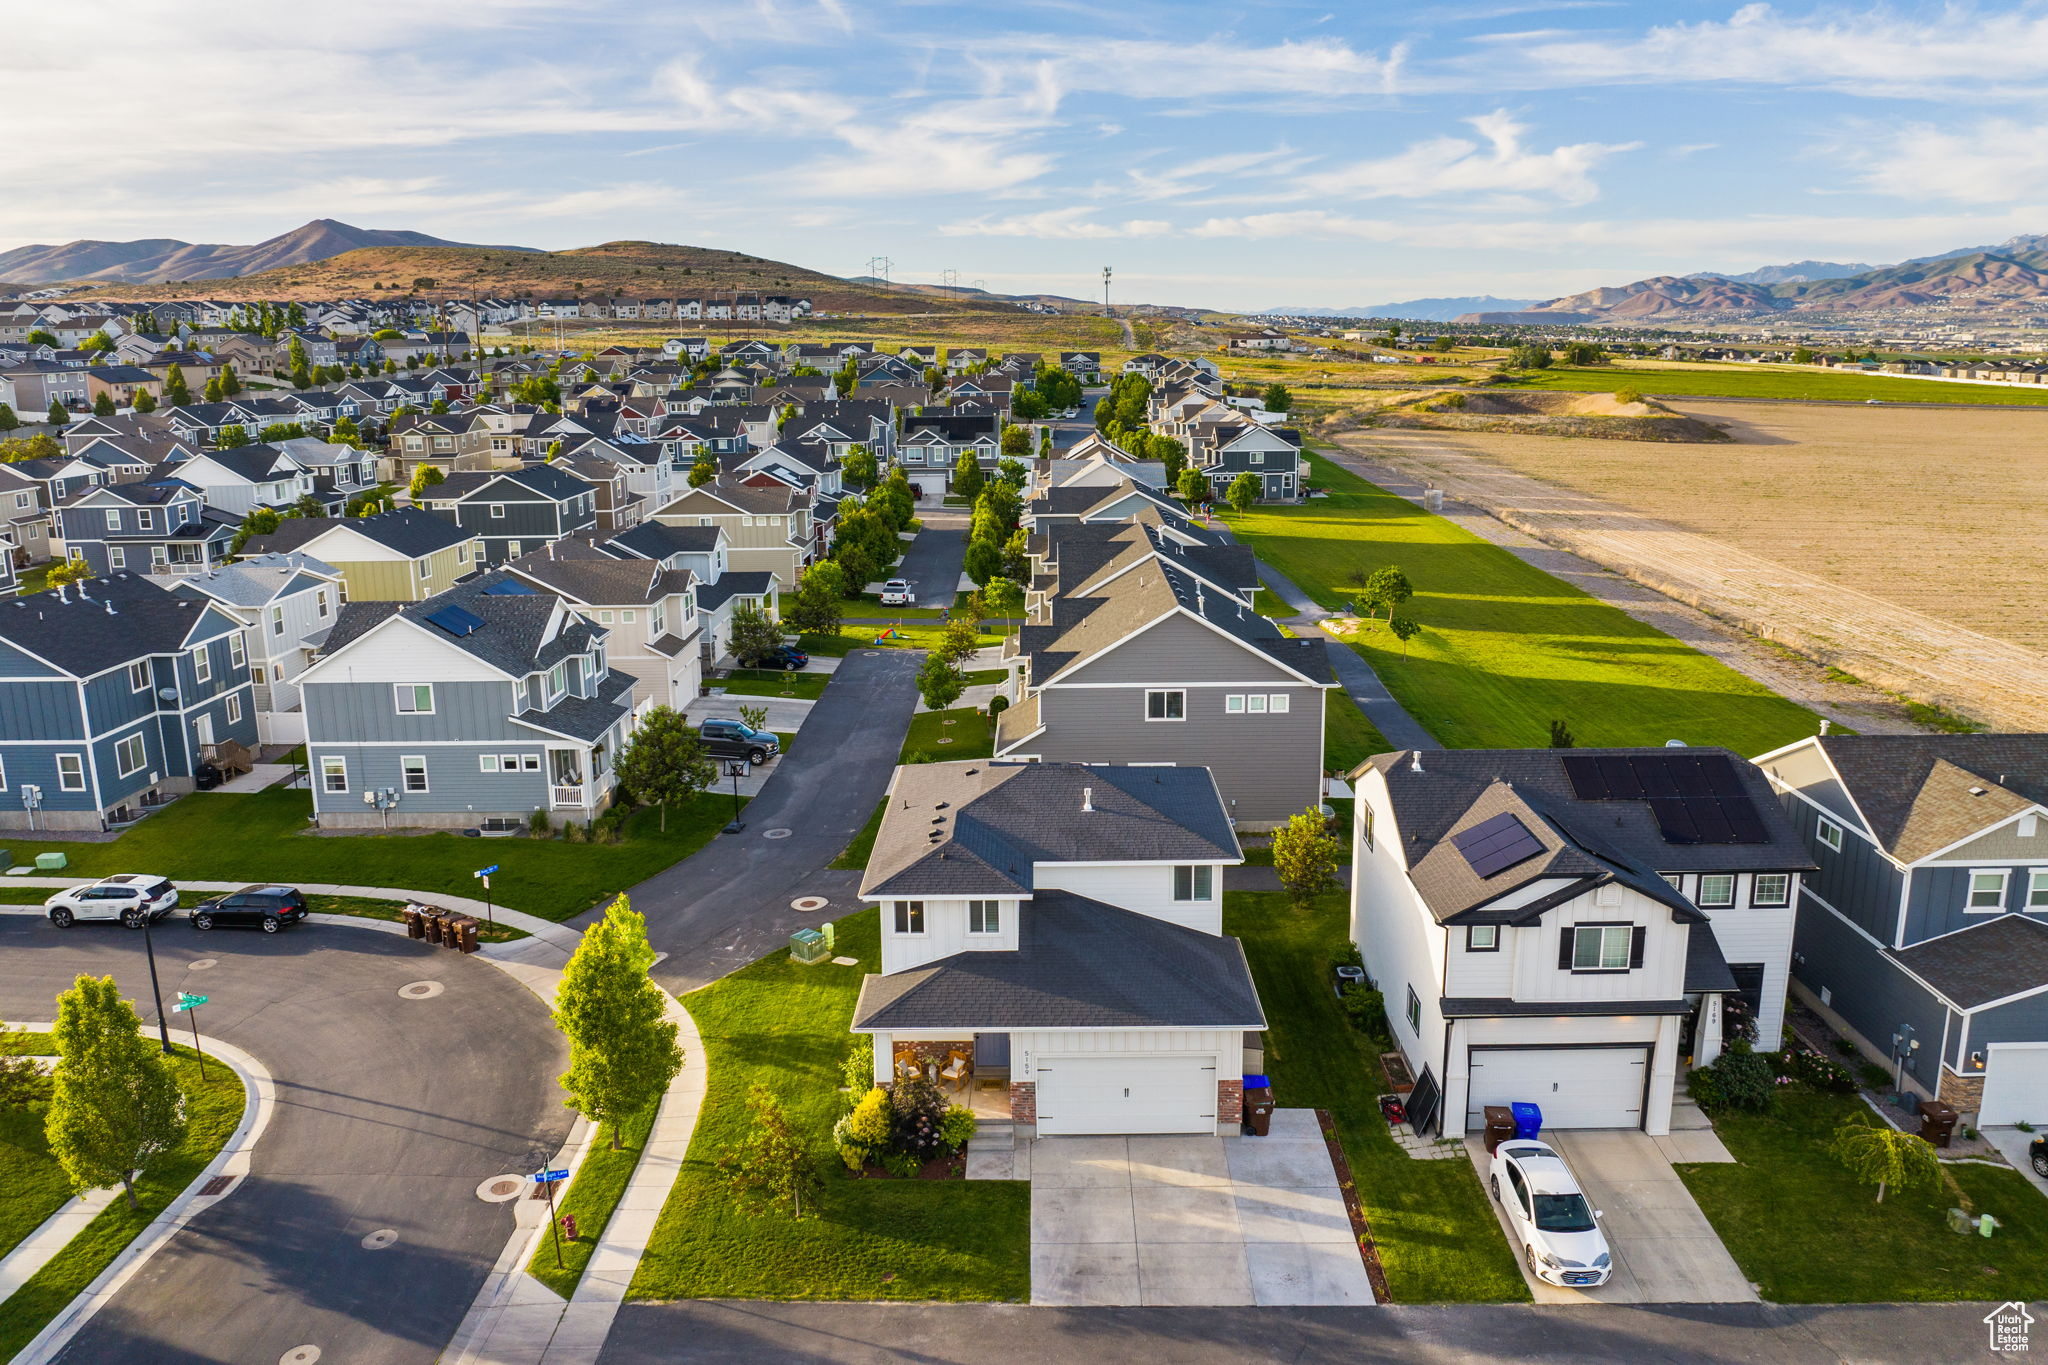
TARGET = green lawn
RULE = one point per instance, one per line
(213, 1109)
(1756, 381)
(593, 1196)
(1505, 648)
(1349, 738)
(854, 858)
(35, 1187)
(761, 682)
(912, 634)
(973, 736)
(1806, 1232)
(983, 677)
(1436, 1233)
(778, 1024)
(261, 837)
(36, 579)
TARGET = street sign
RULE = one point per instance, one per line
(187, 1001)
(549, 1177)
(485, 871)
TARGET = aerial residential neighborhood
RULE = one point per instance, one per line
(839, 704)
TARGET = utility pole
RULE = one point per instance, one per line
(1105, 288)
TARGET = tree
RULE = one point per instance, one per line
(1017, 441)
(1404, 630)
(261, 521)
(58, 416)
(754, 637)
(39, 446)
(176, 392)
(857, 466)
(423, 478)
(42, 336)
(622, 1045)
(967, 478)
(1585, 353)
(1878, 1154)
(114, 1105)
(307, 506)
(103, 406)
(663, 762)
(211, 393)
(1561, 736)
(8, 421)
(1001, 597)
(145, 401)
(22, 1081)
(1194, 487)
(232, 436)
(703, 470)
(1305, 856)
(984, 561)
(1527, 357)
(1244, 491)
(815, 608)
(957, 640)
(296, 360)
(1277, 398)
(68, 572)
(773, 1165)
(938, 682)
(1385, 589)
(230, 382)
(1802, 355)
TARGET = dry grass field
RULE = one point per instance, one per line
(1934, 510)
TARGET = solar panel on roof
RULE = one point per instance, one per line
(1723, 780)
(1655, 777)
(1496, 844)
(1620, 777)
(456, 621)
(1709, 820)
(1743, 819)
(1584, 772)
(510, 587)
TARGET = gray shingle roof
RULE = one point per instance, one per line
(1915, 789)
(407, 530)
(1078, 964)
(602, 582)
(977, 828)
(2002, 956)
(512, 639)
(731, 584)
(78, 634)
(584, 718)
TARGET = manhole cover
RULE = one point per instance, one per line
(500, 1188)
(218, 1185)
(871, 653)
(381, 1238)
(202, 964)
(807, 904)
(299, 1355)
(421, 990)
(945, 739)
(777, 833)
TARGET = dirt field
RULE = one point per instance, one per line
(1938, 511)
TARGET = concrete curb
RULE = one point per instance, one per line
(232, 1160)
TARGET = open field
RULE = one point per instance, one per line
(1659, 377)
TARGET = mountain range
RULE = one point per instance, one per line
(1420, 310)
(164, 258)
(2009, 276)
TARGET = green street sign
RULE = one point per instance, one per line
(187, 1001)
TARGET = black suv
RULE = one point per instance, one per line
(269, 908)
(732, 739)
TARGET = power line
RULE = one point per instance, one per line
(880, 266)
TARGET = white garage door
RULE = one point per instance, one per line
(1126, 1094)
(2015, 1084)
(1576, 1087)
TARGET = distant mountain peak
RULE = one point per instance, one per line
(164, 258)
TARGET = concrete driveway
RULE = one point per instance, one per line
(1664, 1249)
(1193, 1221)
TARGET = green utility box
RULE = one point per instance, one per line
(809, 947)
(51, 862)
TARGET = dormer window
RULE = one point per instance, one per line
(910, 917)
(1987, 889)
(984, 917)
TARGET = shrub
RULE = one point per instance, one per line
(997, 705)
(956, 1126)
(1703, 1083)
(869, 1124)
(1845, 1047)
(573, 832)
(858, 1070)
(2024, 1126)
(537, 825)
(1745, 1078)
(916, 1111)
(1347, 956)
(902, 1165)
(1627, 396)
(1366, 1008)
(1810, 1068)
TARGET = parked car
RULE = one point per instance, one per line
(735, 739)
(897, 592)
(129, 898)
(269, 908)
(1558, 1230)
(2037, 1152)
(787, 657)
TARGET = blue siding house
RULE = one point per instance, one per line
(1925, 931)
(483, 703)
(159, 527)
(112, 692)
(518, 510)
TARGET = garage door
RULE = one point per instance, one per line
(2015, 1085)
(1126, 1094)
(1576, 1087)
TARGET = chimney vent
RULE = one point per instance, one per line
(1087, 798)
(1415, 761)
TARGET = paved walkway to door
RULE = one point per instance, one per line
(1193, 1221)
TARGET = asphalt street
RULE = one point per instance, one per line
(723, 1333)
(932, 563)
(390, 1113)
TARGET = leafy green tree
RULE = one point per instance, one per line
(307, 506)
(773, 1164)
(423, 478)
(231, 437)
(754, 637)
(1584, 353)
(663, 763)
(39, 445)
(1561, 736)
(622, 1046)
(938, 682)
(296, 361)
(815, 609)
(1386, 588)
(1001, 597)
(74, 570)
(1878, 1154)
(211, 393)
(176, 392)
(97, 342)
(703, 469)
(8, 421)
(114, 1105)
(1017, 442)
(103, 406)
(261, 521)
(1404, 630)
(1528, 357)
(1244, 491)
(230, 382)
(1277, 398)
(346, 432)
(58, 415)
(1013, 472)
(1802, 355)
(984, 561)
(145, 401)
(22, 1081)
(967, 479)
(42, 336)
(1305, 856)
(282, 431)
(1193, 487)
(957, 641)
(857, 467)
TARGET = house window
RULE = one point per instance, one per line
(1830, 833)
(984, 917)
(1256, 703)
(628, 617)
(1414, 1010)
(413, 699)
(415, 769)
(145, 520)
(487, 763)
(277, 620)
(1601, 947)
(1771, 890)
(1717, 891)
(113, 521)
(558, 680)
(259, 675)
(238, 651)
(1365, 826)
(509, 762)
(2037, 885)
(70, 772)
(320, 603)
(234, 708)
(117, 558)
(497, 509)
(909, 917)
(138, 677)
(202, 664)
(1482, 938)
(604, 618)
(1987, 889)
(1278, 702)
(1196, 882)
(1233, 705)
(1166, 706)
(131, 755)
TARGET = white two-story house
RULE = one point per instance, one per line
(287, 604)
(1060, 926)
(1572, 928)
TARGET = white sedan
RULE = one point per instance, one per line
(129, 898)
(1559, 1231)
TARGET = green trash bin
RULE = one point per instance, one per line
(51, 862)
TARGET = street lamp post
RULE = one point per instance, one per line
(163, 1025)
(735, 769)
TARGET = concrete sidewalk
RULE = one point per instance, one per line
(1357, 677)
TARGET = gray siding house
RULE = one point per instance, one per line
(157, 527)
(113, 692)
(515, 511)
(1924, 934)
(486, 702)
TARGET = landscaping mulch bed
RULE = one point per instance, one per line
(1368, 1250)
(938, 1168)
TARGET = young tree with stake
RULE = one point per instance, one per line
(114, 1105)
(774, 1165)
(622, 1046)
(1305, 856)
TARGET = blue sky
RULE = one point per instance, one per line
(1234, 155)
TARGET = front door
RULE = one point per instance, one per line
(202, 730)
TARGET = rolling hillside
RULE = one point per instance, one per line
(165, 258)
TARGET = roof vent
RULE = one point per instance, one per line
(1674, 744)
(1976, 791)
(1087, 798)
(1415, 761)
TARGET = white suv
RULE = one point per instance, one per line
(897, 592)
(129, 898)
(1559, 1231)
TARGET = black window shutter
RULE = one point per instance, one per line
(1564, 949)
(1635, 947)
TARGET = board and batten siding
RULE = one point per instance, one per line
(2023, 1021)
(945, 932)
(1148, 890)
(1869, 991)
(367, 713)
(38, 709)
(1661, 977)
(1859, 881)
(1937, 899)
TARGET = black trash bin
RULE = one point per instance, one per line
(435, 919)
(1937, 1122)
(462, 934)
(1258, 1107)
(1500, 1126)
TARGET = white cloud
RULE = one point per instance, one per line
(1203, 70)
(1993, 161)
(1448, 166)
(1067, 224)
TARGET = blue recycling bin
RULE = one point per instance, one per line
(1528, 1121)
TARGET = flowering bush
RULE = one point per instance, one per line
(956, 1127)
(917, 1110)
(863, 1135)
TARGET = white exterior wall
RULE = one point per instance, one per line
(1401, 945)
(945, 933)
(1146, 888)
(1749, 934)
(1224, 1046)
(1483, 976)
(1661, 977)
